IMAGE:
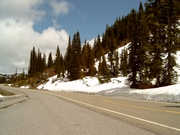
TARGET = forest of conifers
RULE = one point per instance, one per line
(154, 36)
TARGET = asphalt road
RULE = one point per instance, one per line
(46, 112)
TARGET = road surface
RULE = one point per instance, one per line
(47, 112)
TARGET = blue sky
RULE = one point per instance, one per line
(89, 17)
(46, 24)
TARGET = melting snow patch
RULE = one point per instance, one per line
(25, 87)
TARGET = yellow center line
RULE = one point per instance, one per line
(122, 114)
(140, 107)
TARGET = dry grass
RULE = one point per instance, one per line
(5, 93)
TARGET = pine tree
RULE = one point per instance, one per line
(163, 22)
(39, 62)
(143, 57)
(32, 70)
(62, 65)
(88, 60)
(75, 71)
(57, 61)
(124, 62)
(50, 61)
(116, 65)
(98, 48)
(68, 58)
(100, 67)
(170, 18)
(105, 72)
(85, 58)
(43, 62)
(156, 48)
(133, 49)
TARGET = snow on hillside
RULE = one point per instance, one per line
(87, 84)
(119, 50)
(91, 42)
(117, 85)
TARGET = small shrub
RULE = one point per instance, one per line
(103, 80)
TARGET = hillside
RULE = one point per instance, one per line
(116, 87)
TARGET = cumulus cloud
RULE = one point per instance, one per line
(21, 10)
(17, 36)
(17, 40)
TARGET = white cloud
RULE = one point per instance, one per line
(62, 7)
(17, 40)
(17, 36)
(21, 10)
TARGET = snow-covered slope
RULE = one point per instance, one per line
(91, 42)
(117, 85)
(87, 84)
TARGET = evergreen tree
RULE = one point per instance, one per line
(163, 20)
(133, 49)
(50, 61)
(170, 18)
(100, 67)
(69, 58)
(43, 62)
(90, 61)
(33, 63)
(75, 71)
(39, 62)
(105, 72)
(156, 48)
(62, 65)
(143, 57)
(85, 58)
(124, 62)
(98, 48)
(57, 61)
(116, 65)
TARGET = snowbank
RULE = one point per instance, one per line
(163, 94)
(87, 84)
(117, 85)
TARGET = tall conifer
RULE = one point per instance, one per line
(50, 61)
(133, 49)
(57, 61)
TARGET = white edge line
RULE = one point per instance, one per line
(147, 121)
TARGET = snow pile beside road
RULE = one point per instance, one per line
(163, 94)
(117, 85)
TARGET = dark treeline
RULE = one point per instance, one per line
(153, 34)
